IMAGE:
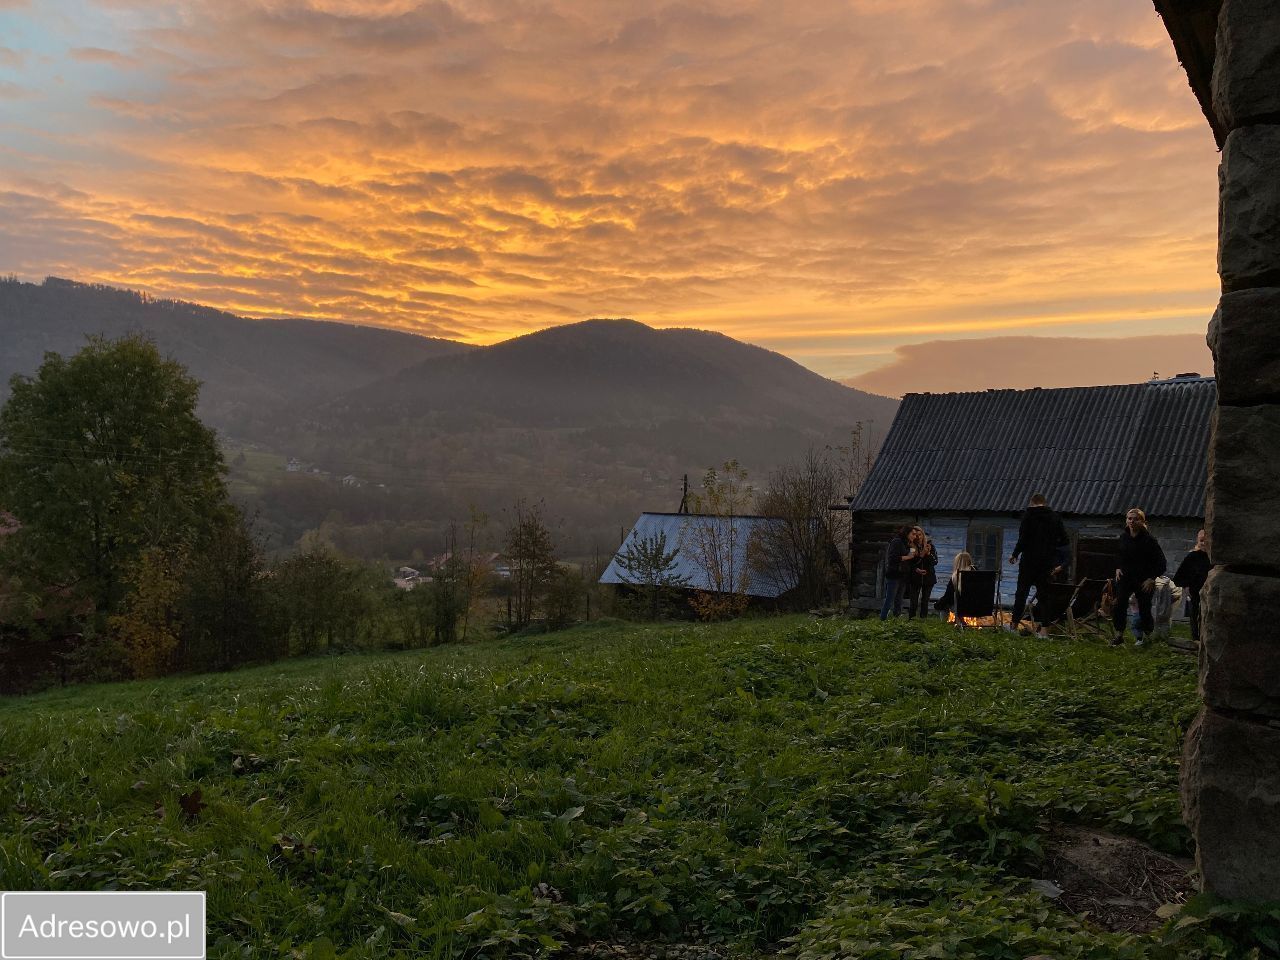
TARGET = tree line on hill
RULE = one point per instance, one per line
(118, 538)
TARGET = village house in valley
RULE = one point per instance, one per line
(963, 466)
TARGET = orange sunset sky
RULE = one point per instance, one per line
(845, 182)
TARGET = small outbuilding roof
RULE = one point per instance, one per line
(1089, 450)
(682, 530)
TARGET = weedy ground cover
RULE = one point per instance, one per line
(812, 788)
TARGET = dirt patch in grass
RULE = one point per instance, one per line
(1117, 882)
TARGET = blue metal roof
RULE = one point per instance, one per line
(682, 532)
(1089, 450)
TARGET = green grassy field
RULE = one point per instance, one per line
(251, 468)
(821, 788)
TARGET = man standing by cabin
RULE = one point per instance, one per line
(897, 557)
(1042, 547)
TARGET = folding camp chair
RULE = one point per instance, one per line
(976, 597)
(1052, 608)
(1085, 614)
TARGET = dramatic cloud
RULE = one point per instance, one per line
(831, 179)
(943, 366)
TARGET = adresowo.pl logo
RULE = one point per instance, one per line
(107, 925)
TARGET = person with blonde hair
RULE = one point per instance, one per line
(962, 562)
(923, 576)
(1140, 561)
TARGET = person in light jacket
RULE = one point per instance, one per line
(1140, 561)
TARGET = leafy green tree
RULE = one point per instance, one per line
(324, 598)
(148, 625)
(565, 595)
(228, 615)
(103, 460)
(414, 615)
(647, 564)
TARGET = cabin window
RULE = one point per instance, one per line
(985, 546)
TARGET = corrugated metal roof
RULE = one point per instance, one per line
(1089, 450)
(681, 530)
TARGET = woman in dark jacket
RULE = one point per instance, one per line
(1141, 561)
(1191, 575)
(923, 575)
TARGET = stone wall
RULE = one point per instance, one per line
(1231, 770)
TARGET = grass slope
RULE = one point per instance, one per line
(825, 788)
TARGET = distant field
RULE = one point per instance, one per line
(251, 468)
(820, 787)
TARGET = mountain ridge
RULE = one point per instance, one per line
(641, 371)
(246, 365)
(598, 419)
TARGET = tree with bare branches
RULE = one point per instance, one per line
(717, 540)
(799, 546)
(531, 556)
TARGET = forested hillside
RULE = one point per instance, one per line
(395, 436)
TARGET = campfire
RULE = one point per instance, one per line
(975, 622)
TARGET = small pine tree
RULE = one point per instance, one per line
(647, 564)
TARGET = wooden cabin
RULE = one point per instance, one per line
(964, 466)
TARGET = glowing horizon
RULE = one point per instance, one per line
(833, 182)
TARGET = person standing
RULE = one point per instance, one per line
(1141, 561)
(923, 575)
(1191, 575)
(1039, 553)
(897, 556)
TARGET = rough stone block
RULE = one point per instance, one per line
(1231, 800)
(1246, 64)
(1244, 336)
(1242, 503)
(1249, 209)
(1240, 658)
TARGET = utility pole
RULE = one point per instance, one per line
(684, 496)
